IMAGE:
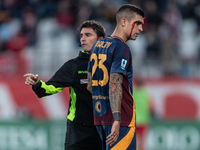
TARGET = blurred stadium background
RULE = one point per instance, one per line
(38, 36)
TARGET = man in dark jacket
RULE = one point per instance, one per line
(81, 133)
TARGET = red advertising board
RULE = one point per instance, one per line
(173, 98)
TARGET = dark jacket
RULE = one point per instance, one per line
(72, 74)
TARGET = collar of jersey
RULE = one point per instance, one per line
(118, 38)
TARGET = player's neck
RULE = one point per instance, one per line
(118, 32)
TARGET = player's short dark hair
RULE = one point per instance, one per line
(96, 26)
(127, 11)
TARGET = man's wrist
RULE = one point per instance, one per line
(117, 116)
(38, 84)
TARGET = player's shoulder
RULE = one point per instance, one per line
(111, 40)
(117, 41)
(107, 39)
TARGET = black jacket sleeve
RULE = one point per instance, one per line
(61, 79)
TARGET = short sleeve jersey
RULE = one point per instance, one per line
(111, 55)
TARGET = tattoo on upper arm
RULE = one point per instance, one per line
(115, 94)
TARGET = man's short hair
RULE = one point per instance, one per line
(127, 11)
(96, 26)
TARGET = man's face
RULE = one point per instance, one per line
(87, 38)
(135, 26)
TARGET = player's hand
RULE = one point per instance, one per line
(31, 79)
(112, 137)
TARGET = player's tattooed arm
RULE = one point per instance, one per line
(115, 95)
(89, 85)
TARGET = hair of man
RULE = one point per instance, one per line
(96, 26)
(127, 11)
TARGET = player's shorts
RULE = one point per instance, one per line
(82, 137)
(125, 141)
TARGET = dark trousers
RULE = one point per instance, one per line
(81, 137)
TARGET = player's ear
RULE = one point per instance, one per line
(123, 22)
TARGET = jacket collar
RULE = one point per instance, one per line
(83, 55)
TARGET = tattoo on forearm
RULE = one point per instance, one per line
(115, 94)
(89, 86)
(89, 76)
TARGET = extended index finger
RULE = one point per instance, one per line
(28, 74)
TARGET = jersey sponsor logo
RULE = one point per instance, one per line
(100, 97)
(123, 64)
(103, 44)
(82, 72)
(83, 81)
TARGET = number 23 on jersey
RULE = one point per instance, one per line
(98, 64)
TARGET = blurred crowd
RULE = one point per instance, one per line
(169, 45)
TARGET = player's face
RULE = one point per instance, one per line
(135, 27)
(87, 38)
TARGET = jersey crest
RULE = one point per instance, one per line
(123, 64)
